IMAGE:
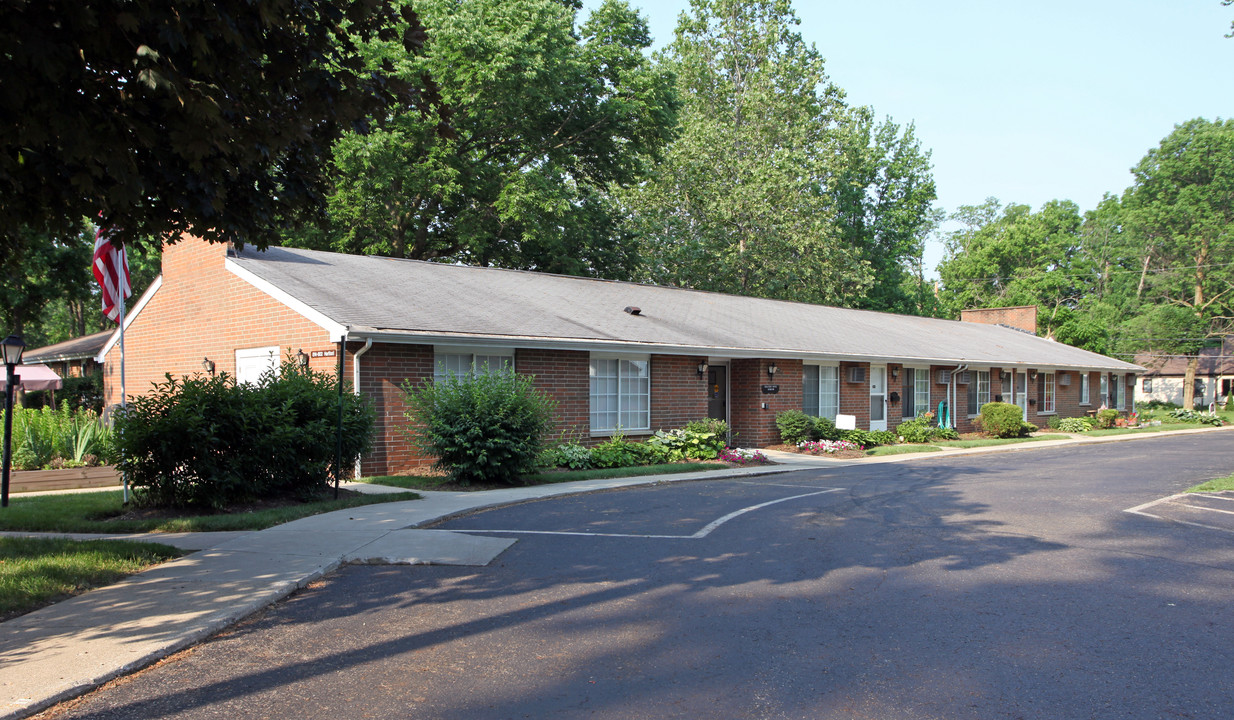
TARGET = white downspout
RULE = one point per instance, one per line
(355, 380)
(953, 392)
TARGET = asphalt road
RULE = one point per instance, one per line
(1012, 585)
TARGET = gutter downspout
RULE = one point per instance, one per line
(338, 433)
(355, 382)
(954, 393)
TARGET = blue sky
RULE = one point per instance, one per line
(1025, 102)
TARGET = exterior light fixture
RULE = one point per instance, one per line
(302, 358)
(702, 369)
(1032, 375)
(13, 347)
(895, 374)
(772, 370)
(208, 365)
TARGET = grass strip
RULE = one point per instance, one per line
(100, 512)
(35, 572)
(1218, 485)
(990, 442)
(1164, 427)
(419, 482)
(900, 449)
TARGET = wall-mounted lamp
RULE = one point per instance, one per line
(895, 374)
(702, 369)
(301, 358)
(208, 365)
(772, 370)
(1032, 375)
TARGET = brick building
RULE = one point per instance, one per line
(615, 355)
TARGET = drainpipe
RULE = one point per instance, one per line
(338, 433)
(355, 382)
(953, 392)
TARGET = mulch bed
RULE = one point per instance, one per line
(838, 455)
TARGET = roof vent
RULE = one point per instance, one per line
(634, 310)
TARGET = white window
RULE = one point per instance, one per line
(1148, 385)
(978, 391)
(449, 361)
(916, 392)
(1104, 391)
(821, 390)
(620, 393)
(253, 363)
(1084, 394)
(1047, 392)
(1120, 392)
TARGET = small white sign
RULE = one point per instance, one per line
(846, 422)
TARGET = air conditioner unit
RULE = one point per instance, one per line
(965, 378)
(856, 374)
(1064, 379)
(943, 377)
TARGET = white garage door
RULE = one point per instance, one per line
(252, 363)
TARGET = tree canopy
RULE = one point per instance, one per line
(547, 117)
(165, 117)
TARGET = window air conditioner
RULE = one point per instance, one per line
(856, 374)
(944, 377)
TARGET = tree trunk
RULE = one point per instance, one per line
(1189, 382)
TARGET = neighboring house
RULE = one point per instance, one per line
(615, 355)
(1165, 374)
(71, 358)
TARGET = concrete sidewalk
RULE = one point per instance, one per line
(66, 649)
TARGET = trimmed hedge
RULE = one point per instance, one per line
(1003, 420)
(485, 428)
(209, 443)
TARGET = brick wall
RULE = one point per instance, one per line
(204, 311)
(855, 397)
(678, 395)
(565, 375)
(755, 426)
(1023, 317)
(383, 371)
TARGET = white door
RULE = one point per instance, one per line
(878, 397)
(1021, 393)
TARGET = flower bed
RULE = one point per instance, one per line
(830, 447)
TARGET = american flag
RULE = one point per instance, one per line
(111, 270)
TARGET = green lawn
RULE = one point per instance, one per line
(39, 571)
(880, 450)
(988, 442)
(100, 512)
(418, 482)
(1225, 483)
(1164, 427)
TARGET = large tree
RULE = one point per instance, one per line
(546, 119)
(775, 187)
(1182, 205)
(165, 116)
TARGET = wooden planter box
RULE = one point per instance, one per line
(70, 478)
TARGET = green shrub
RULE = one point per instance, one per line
(1053, 421)
(1106, 418)
(208, 443)
(917, 430)
(861, 437)
(795, 427)
(946, 434)
(566, 455)
(1074, 425)
(616, 452)
(1003, 420)
(47, 438)
(825, 429)
(880, 437)
(486, 428)
(699, 440)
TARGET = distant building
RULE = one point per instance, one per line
(71, 358)
(1165, 375)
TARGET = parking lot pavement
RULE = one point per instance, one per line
(1211, 511)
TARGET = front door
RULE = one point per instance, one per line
(1020, 381)
(717, 392)
(878, 397)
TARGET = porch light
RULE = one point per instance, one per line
(702, 369)
(208, 365)
(895, 373)
(772, 370)
(302, 358)
(13, 347)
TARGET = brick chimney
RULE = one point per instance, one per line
(1022, 318)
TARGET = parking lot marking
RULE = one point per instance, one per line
(707, 529)
(1140, 510)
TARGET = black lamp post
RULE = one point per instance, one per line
(12, 348)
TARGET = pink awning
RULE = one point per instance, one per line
(33, 377)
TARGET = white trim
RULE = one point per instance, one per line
(128, 319)
(313, 315)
